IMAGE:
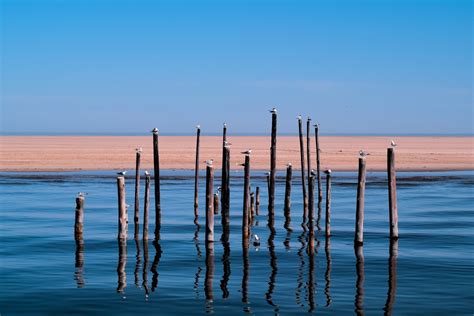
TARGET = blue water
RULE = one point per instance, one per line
(42, 271)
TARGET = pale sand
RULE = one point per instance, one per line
(63, 153)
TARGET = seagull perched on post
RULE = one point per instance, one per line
(255, 240)
(209, 162)
(362, 153)
(328, 171)
(273, 111)
(313, 173)
(198, 126)
(241, 164)
(393, 143)
(122, 173)
(288, 164)
(147, 173)
(225, 125)
(154, 131)
(139, 150)
(316, 125)
(247, 152)
(227, 144)
(81, 194)
(299, 117)
(267, 173)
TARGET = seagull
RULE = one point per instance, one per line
(219, 189)
(81, 194)
(288, 164)
(273, 111)
(198, 126)
(225, 125)
(299, 117)
(127, 205)
(267, 173)
(255, 240)
(227, 144)
(393, 144)
(313, 172)
(122, 173)
(209, 162)
(328, 171)
(309, 118)
(247, 152)
(154, 131)
(147, 173)
(139, 150)
(362, 153)
(316, 125)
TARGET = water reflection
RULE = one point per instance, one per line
(327, 275)
(208, 289)
(137, 263)
(122, 262)
(392, 277)
(226, 269)
(154, 265)
(145, 269)
(318, 217)
(197, 275)
(311, 282)
(274, 268)
(299, 278)
(359, 297)
(79, 263)
(245, 276)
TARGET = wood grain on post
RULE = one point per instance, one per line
(328, 205)
(136, 216)
(271, 191)
(245, 217)
(122, 209)
(359, 227)
(209, 204)
(311, 214)
(257, 201)
(318, 162)
(79, 218)
(392, 193)
(196, 173)
(216, 203)
(303, 175)
(156, 167)
(287, 208)
(146, 207)
(224, 174)
(225, 191)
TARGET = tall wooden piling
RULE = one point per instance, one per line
(257, 201)
(303, 175)
(225, 191)
(318, 162)
(156, 167)
(359, 227)
(224, 174)
(209, 204)
(311, 215)
(245, 217)
(308, 148)
(271, 191)
(79, 218)
(216, 203)
(136, 216)
(287, 208)
(392, 193)
(196, 173)
(328, 204)
(122, 209)
(146, 207)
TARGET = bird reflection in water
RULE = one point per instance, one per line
(209, 276)
(392, 277)
(359, 297)
(122, 262)
(79, 263)
(154, 265)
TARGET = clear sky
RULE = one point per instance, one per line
(116, 66)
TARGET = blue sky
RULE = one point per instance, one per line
(116, 66)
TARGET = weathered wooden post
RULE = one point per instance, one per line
(209, 203)
(268, 182)
(311, 214)
(328, 203)
(224, 174)
(287, 208)
(136, 216)
(79, 218)
(392, 193)
(245, 217)
(156, 167)
(308, 148)
(216, 203)
(196, 172)
(271, 191)
(359, 228)
(257, 201)
(146, 206)
(303, 176)
(318, 162)
(225, 191)
(122, 209)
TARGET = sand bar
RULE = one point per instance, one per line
(67, 153)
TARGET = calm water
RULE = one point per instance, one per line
(43, 272)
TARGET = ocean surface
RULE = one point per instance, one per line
(43, 271)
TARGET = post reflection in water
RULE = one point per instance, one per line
(122, 262)
(226, 269)
(145, 269)
(209, 278)
(137, 263)
(154, 265)
(327, 275)
(318, 218)
(273, 266)
(79, 263)
(299, 278)
(359, 297)
(392, 277)
(199, 255)
(311, 282)
(245, 275)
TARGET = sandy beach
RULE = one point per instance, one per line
(68, 153)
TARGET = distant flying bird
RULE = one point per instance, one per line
(274, 110)
(209, 162)
(362, 153)
(393, 143)
(198, 126)
(328, 171)
(139, 150)
(247, 152)
(299, 117)
(154, 131)
(147, 173)
(255, 240)
(122, 173)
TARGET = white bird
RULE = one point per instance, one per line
(255, 240)
(81, 194)
(154, 131)
(247, 152)
(393, 143)
(328, 171)
(225, 125)
(316, 125)
(274, 110)
(227, 144)
(147, 173)
(313, 172)
(219, 189)
(299, 117)
(198, 126)
(267, 173)
(289, 164)
(362, 153)
(139, 150)
(209, 162)
(122, 173)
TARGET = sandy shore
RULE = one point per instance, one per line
(66, 153)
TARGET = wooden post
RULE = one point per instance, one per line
(224, 174)
(156, 167)
(268, 182)
(216, 203)
(287, 208)
(318, 162)
(359, 228)
(311, 214)
(146, 207)
(328, 204)
(257, 201)
(252, 206)
(209, 204)
(308, 148)
(136, 216)
(245, 217)
(122, 209)
(392, 193)
(303, 175)
(79, 218)
(225, 191)
(271, 191)
(196, 173)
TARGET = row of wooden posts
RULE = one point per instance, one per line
(249, 198)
